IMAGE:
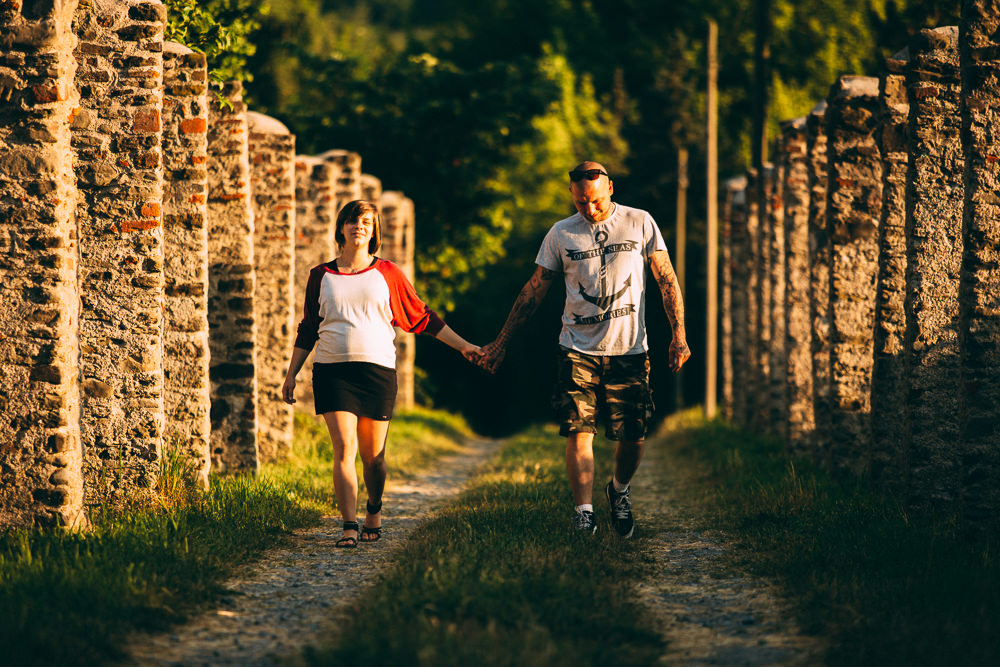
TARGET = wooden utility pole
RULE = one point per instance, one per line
(681, 259)
(712, 224)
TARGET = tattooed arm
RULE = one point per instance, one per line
(525, 305)
(670, 290)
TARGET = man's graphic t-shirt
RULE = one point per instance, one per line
(604, 267)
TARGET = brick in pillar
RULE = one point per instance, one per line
(933, 263)
(41, 476)
(732, 351)
(980, 306)
(185, 257)
(819, 278)
(798, 328)
(231, 289)
(777, 356)
(761, 415)
(889, 383)
(117, 137)
(315, 220)
(272, 159)
(397, 221)
(854, 203)
(751, 272)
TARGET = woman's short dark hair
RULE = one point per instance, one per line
(353, 211)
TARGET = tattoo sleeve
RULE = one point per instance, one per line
(527, 302)
(670, 290)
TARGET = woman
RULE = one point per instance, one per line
(351, 306)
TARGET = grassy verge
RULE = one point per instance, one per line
(887, 590)
(499, 578)
(70, 597)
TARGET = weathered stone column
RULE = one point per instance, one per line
(185, 266)
(315, 220)
(980, 307)
(41, 476)
(117, 139)
(778, 357)
(371, 189)
(819, 278)
(798, 329)
(397, 221)
(231, 316)
(348, 183)
(854, 203)
(761, 418)
(889, 383)
(272, 156)
(732, 351)
(933, 262)
(752, 374)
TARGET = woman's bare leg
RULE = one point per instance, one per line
(343, 427)
(371, 443)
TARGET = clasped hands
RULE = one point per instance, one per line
(487, 357)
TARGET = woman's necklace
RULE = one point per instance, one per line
(350, 268)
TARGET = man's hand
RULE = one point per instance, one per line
(472, 353)
(491, 357)
(679, 353)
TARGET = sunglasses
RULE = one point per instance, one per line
(589, 174)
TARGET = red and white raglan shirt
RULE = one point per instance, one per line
(350, 316)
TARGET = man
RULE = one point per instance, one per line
(602, 253)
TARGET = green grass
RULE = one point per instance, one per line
(70, 597)
(886, 589)
(500, 578)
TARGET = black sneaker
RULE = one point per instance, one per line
(584, 521)
(621, 511)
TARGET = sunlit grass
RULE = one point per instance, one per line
(888, 590)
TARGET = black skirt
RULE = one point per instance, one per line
(365, 389)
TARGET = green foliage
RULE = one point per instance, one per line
(500, 577)
(887, 588)
(221, 29)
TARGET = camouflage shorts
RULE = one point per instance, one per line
(615, 388)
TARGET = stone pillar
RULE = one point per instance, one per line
(751, 286)
(397, 222)
(980, 307)
(371, 189)
(41, 477)
(117, 140)
(185, 266)
(819, 278)
(732, 350)
(777, 356)
(934, 245)
(798, 328)
(854, 203)
(889, 384)
(348, 184)
(761, 416)
(272, 156)
(315, 219)
(231, 288)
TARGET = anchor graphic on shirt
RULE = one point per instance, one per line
(604, 300)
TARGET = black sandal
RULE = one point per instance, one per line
(347, 542)
(376, 532)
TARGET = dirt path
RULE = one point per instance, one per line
(709, 613)
(287, 600)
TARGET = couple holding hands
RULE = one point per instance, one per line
(353, 302)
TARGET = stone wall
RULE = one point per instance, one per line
(777, 355)
(272, 156)
(889, 386)
(980, 306)
(185, 265)
(117, 160)
(41, 476)
(732, 307)
(231, 289)
(751, 365)
(761, 411)
(397, 238)
(799, 388)
(933, 262)
(904, 339)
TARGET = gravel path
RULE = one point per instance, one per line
(709, 612)
(286, 600)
